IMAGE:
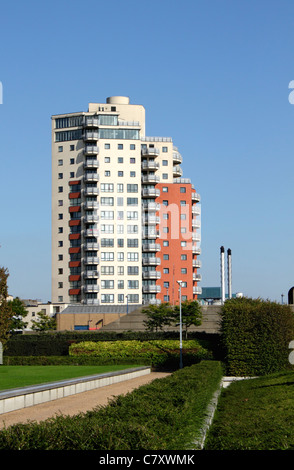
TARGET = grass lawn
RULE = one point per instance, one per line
(255, 414)
(21, 376)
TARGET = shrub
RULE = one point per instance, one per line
(255, 336)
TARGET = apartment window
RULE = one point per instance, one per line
(165, 202)
(60, 298)
(165, 243)
(60, 189)
(107, 215)
(106, 159)
(60, 202)
(133, 298)
(132, 147)
(60, 216)
(184, 243)
(183, 230)
(182, 189)
(120, 215)
(107, 242)
(60, 176)
(107, 201)
(120, 173)
(164, 149)
(183, 216)
(105, 228)
(60, 229)
(166, 285)
(183, 270)
(133, 284)
(106, 187)
(60, 257)
(120, 188)
(60, 162)
(60, 148)
(107, 284)
(133, 242)
(120, 256)
(107, 298)
(132, 160)
(133, 270)
(133, 256)
(164, 162)
(165, 216)
(120, 146)
(165, 229)
(184, 284)
(165, 270)
(106, 173)
(107, 256)
(120, 298)
(120, 270)
(132, 174)
(132, 215)
(107, 270)
(72, 160)
(120, 160)
(120, 229)
(183, 257)
(60, 243)
(60, 271)
(120, 242)
(183, 203)
(60, 285)
(120, 284)
(165, 257)
(165, 189)
(132, 188)
(107, 146)
(164, 176)
(132, 229)
(71, 175)
(120, 201)
(132, 201)
(71, 147)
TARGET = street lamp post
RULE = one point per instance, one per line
(181, 340)
(127, 304)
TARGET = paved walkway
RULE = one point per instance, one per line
(75, 404)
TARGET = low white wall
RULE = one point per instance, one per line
(16, 399)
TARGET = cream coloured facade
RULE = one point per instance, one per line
(107, 229)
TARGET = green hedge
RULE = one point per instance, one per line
(165, 414)
(157, 352)
(255, 336)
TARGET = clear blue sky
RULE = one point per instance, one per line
(211, 74)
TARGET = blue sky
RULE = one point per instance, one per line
(211, 74)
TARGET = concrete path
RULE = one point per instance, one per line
(75, 404)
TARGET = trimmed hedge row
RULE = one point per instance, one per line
(255, 336)
(167, 414)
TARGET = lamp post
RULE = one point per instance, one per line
(127, 297)
(181, 340)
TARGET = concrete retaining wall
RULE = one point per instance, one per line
(16, 399)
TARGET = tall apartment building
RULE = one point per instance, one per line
(125, 224)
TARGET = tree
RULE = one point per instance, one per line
(158, 316)
(6, 313)
(44, 323)
(191, 314)
(19, 312)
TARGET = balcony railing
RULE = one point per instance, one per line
(89, 135)
(91, 164)
(151, 192)
(151, 206)
(196, 197)
(150, 151)
(91, 260)
(91, 274)
(91, 246)
(151, 274)
(197, 290)
(91, 205)
(177, 170)
(177, 157)
(151, 261)
(91, 177)
(91, 121)
(150, 247)
(91, 150)
(197, 277)
(91, 288)
(150, 165)
(91, 191)
(150, 179)
(151, 289)
(196, 263)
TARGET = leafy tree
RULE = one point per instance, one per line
(158, 316)
(44, 322)
(19, 312)
(6, 312)
(191, 314)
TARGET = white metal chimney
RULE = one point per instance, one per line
(229, 273)
(222, 262)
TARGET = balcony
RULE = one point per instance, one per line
(151, 274)
(196, 263)
(152, 220)
(91, 163)
(91, 135)
(151, 289)
(153, 301)
(91, 301)
(196, 209)
(91, 274)
(91, 150)
(150, 179)
(151, 261)
(91, 219)
(91, 232)
(196, 250)
(196, 197)
(150, 192)
(197, 277)
(91, 260)
(197, 290)
(91, 288)
(150, 151)
(177, 171)
(150, 247)
(196, 237)
(91, 192)
(91, 121)
(91, 205)
(150, 165)
(151, 206)
(91, 177)
(177, 157)
(91, 246)
(196, 223)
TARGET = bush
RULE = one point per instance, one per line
(158, 353)
(165, 414)
(255, 336)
